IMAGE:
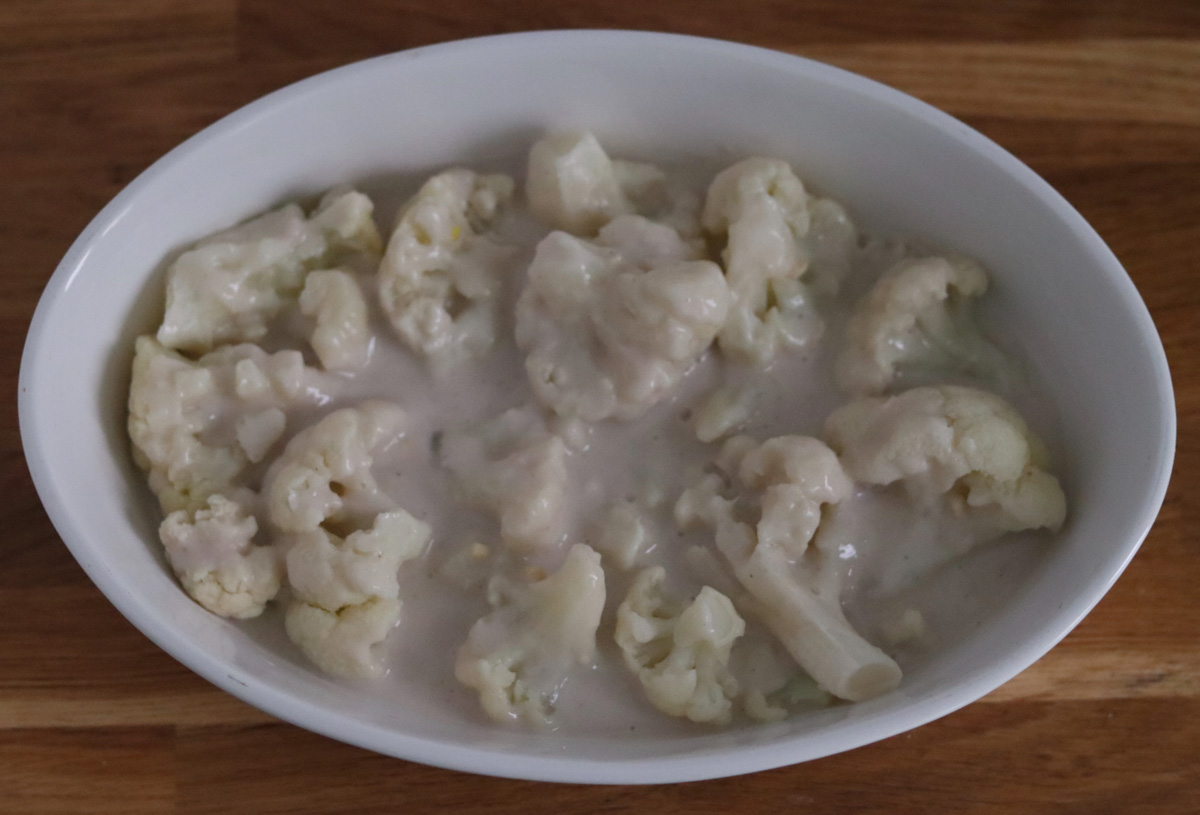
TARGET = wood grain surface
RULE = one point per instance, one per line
(1101, 98)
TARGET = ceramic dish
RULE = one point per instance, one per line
(900, 165)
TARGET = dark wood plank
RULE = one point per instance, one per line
(378, 26)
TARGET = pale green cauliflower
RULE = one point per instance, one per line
(444, 267)
(679, 652)
(518, 656)
(345, 592)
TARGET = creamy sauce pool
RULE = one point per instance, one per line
(648, 461)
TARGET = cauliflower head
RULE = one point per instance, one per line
(324, 474)
(178, 407)
(443, 269)
(342, 334)
(964, 442)
(230, 286)
(512, 467)
(611, 327)
(795, 585)
(212, 553)
(574, 186)
(916, 321)
(680, 653)
(762, 208)
(518, 656)
(345, 592)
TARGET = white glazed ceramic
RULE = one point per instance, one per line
(901, 166)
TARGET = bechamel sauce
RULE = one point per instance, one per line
(628, 461)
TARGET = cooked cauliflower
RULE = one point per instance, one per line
(623, 536)
(797, 693)
(795, 584)
(345, 593)
(342, 334)
(177, 409)
(952, 440)
(916, 322)
(230, 286)
(213, 554)
(831, 245)
(511, 466)
(722, 410)
(574, 186)
(443, 269)
(519, 655)
(680, 653)
(611, 327)
(324, 474)
(762, 208)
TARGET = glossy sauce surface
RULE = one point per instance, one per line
(886, 543)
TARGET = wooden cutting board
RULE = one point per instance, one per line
(1101, 98)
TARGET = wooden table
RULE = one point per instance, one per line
(1102, 99)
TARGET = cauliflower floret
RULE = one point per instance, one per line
(763, 208)
(680, 654)
(345, 592)
(443, 271)
(722, 410)
(795, 583)
(611, 327)
(797, 693)
(623, 536)
(178, 408)
(832, 245)
(342, 335)
(229, 287)
(213, 555)
(511, 466)
(957, 440)
(574, 186)
(520, 654)
(324, 474)
(916, 321)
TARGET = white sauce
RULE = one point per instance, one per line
(648, 461)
